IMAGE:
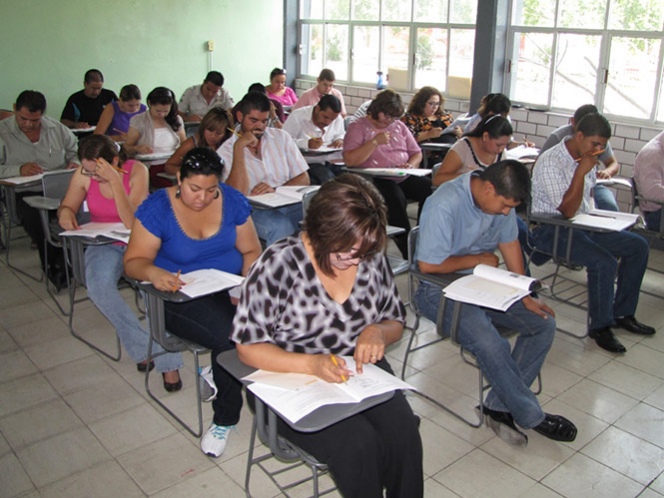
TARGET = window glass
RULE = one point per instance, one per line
(531, 66)
(636, 15)
(462, 51)
(337, 10)
(336, 50)
(588, 14)
(311, 9)
(431, 11)
(395, 56)
(311, 60)
(365, 10)
(534, 13)
(396, 10)
(366, 49)
(575, 74)
(463, 11)
(431, 58)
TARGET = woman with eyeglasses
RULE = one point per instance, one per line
(159, 131)
(200, 223)
(328, 292)
(113, 187)
(278, 90)
(214, 129)
(381, 140)
(478, 149)
(114, 119)
(426, 119)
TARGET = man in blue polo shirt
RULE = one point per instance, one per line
(461, 226)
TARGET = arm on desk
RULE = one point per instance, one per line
(301, 179)
(459, 263)
(130, 145)
(448, 169)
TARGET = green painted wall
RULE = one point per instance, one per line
(47, 45)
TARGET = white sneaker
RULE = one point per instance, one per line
(213, 442)
(208, 387)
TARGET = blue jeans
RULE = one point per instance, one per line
(274, 224)
(604, 198)
(510, 373)
(207, 321)
(103, 269)
(604, 255)
(653, 219)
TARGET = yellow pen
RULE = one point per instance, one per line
(177, 277)
(233, 131)
(336, 364)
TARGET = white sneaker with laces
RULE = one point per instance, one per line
(208, 387)
(213, 442)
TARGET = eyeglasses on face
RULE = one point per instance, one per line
(433, 104)
(91, 174)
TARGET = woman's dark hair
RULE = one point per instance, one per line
(201, 161)
(130, 92)
(215, 119)
(388, 102)
(95, 146)
(347, 210)
(496, 126)
(494, 103)
(420, 99)
(163, 96)
(277, 72)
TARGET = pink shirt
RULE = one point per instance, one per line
(287, 99)
(102, 209)
(313, 96)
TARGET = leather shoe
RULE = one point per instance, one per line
(502, 423)
(171, 387)
(556, 427)
(143, 366)
(631, 324)
(606, 340)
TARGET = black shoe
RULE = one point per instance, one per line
(556, 427)
(143, 366)
(172, 387)
(606, 340)
(502, 423)
(631, 324)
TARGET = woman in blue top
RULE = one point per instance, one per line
(198, 224)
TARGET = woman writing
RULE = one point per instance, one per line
(214, 130)
(278, 90)
(114, 120)
(198, 224)
(159, 131)
(478, 149)
(113, 189)
(336, 270)
(426, 119)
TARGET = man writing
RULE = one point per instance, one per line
(84, 107)
(197, 100)
(317, 126)
(563, 179)
(261, 159)
(462, 224)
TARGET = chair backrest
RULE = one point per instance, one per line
(56, 183)
(190, 129)
(306, 199)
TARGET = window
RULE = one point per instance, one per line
(565, 53)
(414, 42)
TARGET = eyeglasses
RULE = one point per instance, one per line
(352, 255)
(434, 104)
(91, 174)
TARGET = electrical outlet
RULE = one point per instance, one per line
(211, 46)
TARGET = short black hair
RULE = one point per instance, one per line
(215, 77)
(509, 178)
(329, 102)
(32, 100)
(253, 101)
(594, 125)
(583, 111)
(93, 75)
(257, 87)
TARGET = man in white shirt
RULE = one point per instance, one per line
(197, 100)
(317, 127)
(261, 159)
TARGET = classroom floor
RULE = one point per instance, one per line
(74, 424)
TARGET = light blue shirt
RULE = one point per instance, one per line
(452, 224)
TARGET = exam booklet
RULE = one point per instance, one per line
(491, 288)
(522, 152)
(391, 171)
(283, 196)
(608, 220)
(116, 231)
(295, 395)
(203, 282)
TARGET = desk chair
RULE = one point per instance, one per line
(154, 303)
(190, 129)
(415, 277)
(650, 234)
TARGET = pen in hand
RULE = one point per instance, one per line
(177, 277)
(336, 364)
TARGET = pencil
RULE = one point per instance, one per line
(336, 364)
(233, 131)
(116, 168)
(177, 276)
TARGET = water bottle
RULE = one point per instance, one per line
(380, 85)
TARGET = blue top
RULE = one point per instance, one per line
(120, 122)
(451, 224)
(179, 251)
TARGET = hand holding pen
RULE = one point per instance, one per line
(340, 369)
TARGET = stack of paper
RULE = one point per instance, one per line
(204, 282)
(607, 220)
(283, 196)
(116, 231)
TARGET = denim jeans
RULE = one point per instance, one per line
(274, 224)
(604, 255)
(103, 269)
(207, 321)
(510, 373)
(604, 198)
(653, 219)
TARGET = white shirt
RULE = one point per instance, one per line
(301, 127)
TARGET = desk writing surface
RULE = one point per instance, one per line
(319, 419)
(154, 156)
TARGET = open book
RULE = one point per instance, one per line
(491, 288)
(322, 150)
(295, 395)
(522, 152)
(282, 196)
(203, 282)
(116, 231)
(614, 181)
(608, 220)
(391, 171)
